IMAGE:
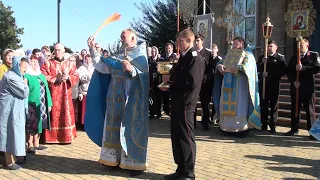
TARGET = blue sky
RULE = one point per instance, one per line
(39, 20)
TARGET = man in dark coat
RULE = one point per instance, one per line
(168, 56)
(310, 65)
(207, 81)
(276, 67)
(185, 79)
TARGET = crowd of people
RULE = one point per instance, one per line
(43, 96)
(46, 96)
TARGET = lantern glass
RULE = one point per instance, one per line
(270, 30)
(267, 30)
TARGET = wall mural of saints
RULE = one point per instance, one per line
(239, 6)
(247, 28)
(251, 7)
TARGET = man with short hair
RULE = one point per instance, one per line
(216, 59)
(186, 80)
(310, 65)
(61, 76)
(276, 68)
(37, 53)
(168, 56)
(117, 106)
(207, 82)
(239, 104)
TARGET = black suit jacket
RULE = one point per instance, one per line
(209, 66)
(170, 58)
(155, 77)
(276, 67)
(186, 80)
(310, 66)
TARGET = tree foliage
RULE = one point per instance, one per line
(9, 31)
(158, 24)
(114, 48)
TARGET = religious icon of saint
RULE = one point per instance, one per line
(202, 29)
(300, 23)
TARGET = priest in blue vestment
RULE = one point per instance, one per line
(315, 129)
(117, 105)
(236, 94)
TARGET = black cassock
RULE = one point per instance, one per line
(310, 67)
(186, 79)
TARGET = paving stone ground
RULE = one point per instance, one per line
(261, 155)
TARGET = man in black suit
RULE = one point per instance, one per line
(185, 79)
(310, 65)
(276, 67)
(216, 59)
(168, 56)
(207, 82)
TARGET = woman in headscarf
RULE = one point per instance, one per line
(155, 79)
(79, 62)
(39, 105)
(13, 96)
(82, 56)
(85, 73)
(75, 89)
(7, 61)
(46, 55)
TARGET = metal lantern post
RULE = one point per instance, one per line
(178, 22)
(304, 7)
(266, 31)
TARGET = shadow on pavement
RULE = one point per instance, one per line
(160, 128)
(311, 167)
(66, 165)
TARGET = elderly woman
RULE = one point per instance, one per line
(46, 54)
(39, 105)
(81, 58)
(46, 51)
(13, 93)
(85, 73)
(75, 89)
(7, 61)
